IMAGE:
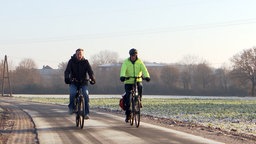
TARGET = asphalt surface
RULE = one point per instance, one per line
(50, 123)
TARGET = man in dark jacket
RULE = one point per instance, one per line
(76, 75)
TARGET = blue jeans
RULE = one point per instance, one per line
(73, 91)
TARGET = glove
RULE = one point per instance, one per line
(122, 79)
(67, 81)
(92, 82)
(147, 79)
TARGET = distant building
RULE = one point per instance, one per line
(48, 72)
(110, 65)
(118, 65)
(47, 67)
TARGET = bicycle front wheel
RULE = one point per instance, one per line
(137, 112)
(81, 112)
(77, 115)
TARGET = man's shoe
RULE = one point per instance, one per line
(86, 117)
(127, 118)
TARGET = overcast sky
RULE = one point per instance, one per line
(164, 31)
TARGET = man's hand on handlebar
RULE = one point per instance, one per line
(67, 81)
(147, 79)
(122, 79)
(92, 82)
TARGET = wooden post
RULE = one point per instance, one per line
(6, 76)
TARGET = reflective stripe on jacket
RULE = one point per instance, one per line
(137, 69)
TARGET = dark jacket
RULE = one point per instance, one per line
(78, 71)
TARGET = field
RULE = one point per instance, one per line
(237, 115)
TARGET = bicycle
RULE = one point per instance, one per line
(80, 107)
(135, 103)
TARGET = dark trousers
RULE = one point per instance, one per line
(128, 88)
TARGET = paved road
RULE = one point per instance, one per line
(51, 124)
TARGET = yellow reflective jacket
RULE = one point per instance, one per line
(137, 69)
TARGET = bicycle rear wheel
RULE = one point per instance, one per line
(137, 111)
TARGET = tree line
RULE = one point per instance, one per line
(189, 77)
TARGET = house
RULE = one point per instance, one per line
(48, 72)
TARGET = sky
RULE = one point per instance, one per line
(163, 31)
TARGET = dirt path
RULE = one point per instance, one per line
(16, 126)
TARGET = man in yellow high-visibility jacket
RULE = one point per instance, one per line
(132, 67)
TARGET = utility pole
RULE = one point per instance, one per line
(6, 76)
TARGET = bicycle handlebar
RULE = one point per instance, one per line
(81, 81)
(135, 77)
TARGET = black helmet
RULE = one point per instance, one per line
(133, 51)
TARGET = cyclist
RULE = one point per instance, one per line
(132, 67)
(76, 74)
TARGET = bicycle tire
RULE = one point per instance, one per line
(132, 111)
(77, 115)
(81, 111)
(137, 111)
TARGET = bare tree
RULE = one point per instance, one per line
(62, 66)
(203, 75)
(170, 76)
(26, 73)
(186, 76)
(104, 57)
(244, 67)
(222, 78)
(27, 64)
(187, 70)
